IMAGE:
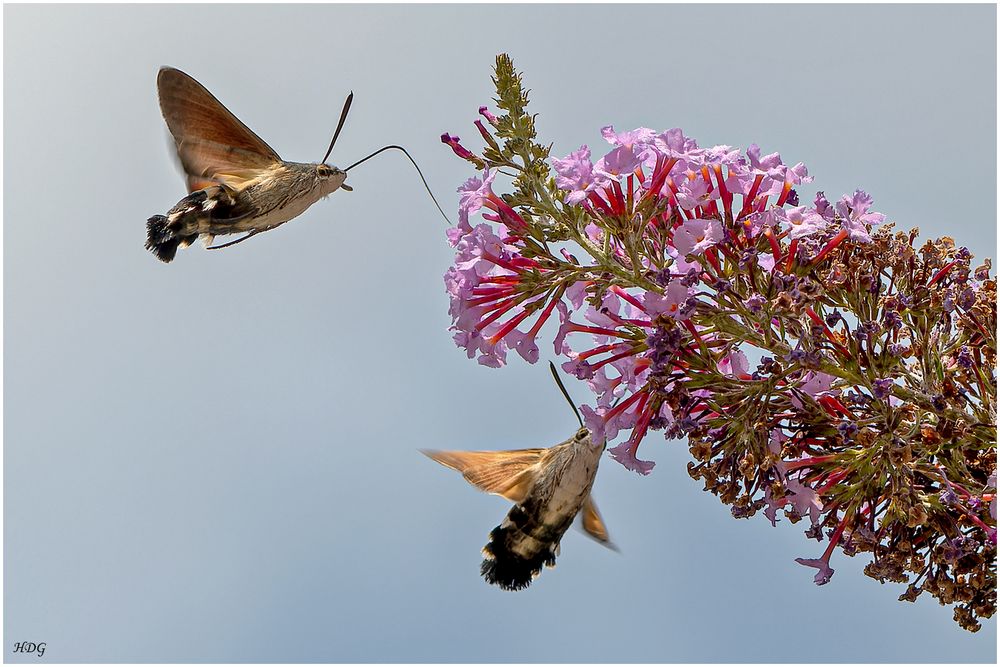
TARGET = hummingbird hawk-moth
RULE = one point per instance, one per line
(548, 486)
(236, 182)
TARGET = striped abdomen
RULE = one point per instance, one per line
(529, 536)
(519, 547)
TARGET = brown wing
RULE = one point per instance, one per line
(211, 142)
(593, 524)
(509, 474)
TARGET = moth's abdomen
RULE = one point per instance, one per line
(198, 213)
(519, 548)
(161, 241)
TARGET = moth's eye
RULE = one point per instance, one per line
(582, 434)
(323, 170)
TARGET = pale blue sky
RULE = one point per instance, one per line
(216, 459)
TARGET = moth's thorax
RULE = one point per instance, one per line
(287, 190)
(575, 463)
(563, 484)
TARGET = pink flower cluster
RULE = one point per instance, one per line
(695, 204)
(819, 364)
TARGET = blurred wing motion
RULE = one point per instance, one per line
(593, 524)
(236, 183)
(549, 488)
(508, 474)
(212, 144)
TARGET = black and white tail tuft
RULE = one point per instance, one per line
(161, 241)
(508, 560)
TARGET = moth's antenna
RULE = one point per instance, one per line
(555, 374)
(340, 125)
(417, 167)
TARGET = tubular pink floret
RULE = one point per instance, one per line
(835, 538)
(489, 298)
(628, 297)
(600, 349)
(832, 479)
(775, 246)
(612, 359)
(482, 291)
(809, 462)
(500, 310)
(659, 175)
(727, 197)
(483, 131)
(510, 325)
(545, 314)
(507, 215)
(596, 200)
(785, 190)
(943, 272)
(642, 425)
(618, 198)
(790, 260)
(502, 263)
(826, 330)
(713, 260)
(600, 331)
(749, 197)
(624, 405)
(833, 405)
(834, 242)
(500, 279)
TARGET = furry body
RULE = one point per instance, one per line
(259, 204)
(549, 487)
(236, 182)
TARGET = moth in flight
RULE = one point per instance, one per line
(236, 182)
(548, 486)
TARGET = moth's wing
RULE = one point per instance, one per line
(509, 473)
(212, 144)
(593, 524)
